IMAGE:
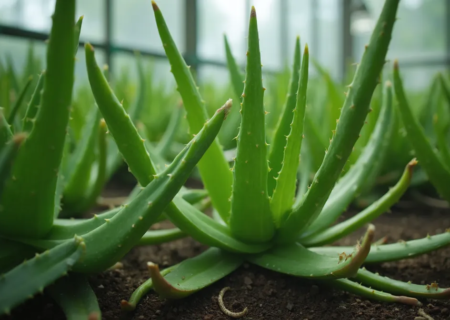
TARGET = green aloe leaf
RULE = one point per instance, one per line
(127, 138)
(18, 103)
(296, 260)
(163, 146)
(213, 167)
(251, 219)
(75, 297)
(161, 236)
(78, 172)
(284, 194)
(353, 115)
(208, 231)
(284, 125)
(394, 251)
(142, 290)
(33, 105)
(370, 293)
(112, 240)
(5, 130)
(380, 206)
(35, 170)
(34, 275)
(363, 173)
(12, 254)
(436, 171)
(194, 274)
(231, 128)
(431, 291)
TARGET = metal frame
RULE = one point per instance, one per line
(191, 37)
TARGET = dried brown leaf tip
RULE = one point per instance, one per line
(155, 6)
(253, 12)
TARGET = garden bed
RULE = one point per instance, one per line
(269, 295)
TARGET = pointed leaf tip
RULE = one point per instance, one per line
(226, 107)
(19, 138)
(155, 6)
(388, 84)
(411, 166)
(253, 12)
(127, 306)
(396, 64)
(306, 49)
(89, 46)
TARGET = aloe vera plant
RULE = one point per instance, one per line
(264, 223)
(35, 248)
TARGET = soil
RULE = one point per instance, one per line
(269, 295)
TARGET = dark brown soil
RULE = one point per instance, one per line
(269, 295)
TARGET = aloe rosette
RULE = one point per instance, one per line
(36, 248)
(265, 223)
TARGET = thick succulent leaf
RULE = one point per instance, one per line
(231, 128)
(111, 241)
(284, 125)
(161, 236)
(5, 129)
(34, 275)
(352, 118)
(19, 101)
(208, 231)
(195, 273)
(360, 290)
(431, 291)
(163, 146)
(67, 228)
(436, 171)
(75, 297)
(296, 260)
(79, 165)
(445, 88)
(77, 32)
(114, 159)
(32, 108)
(7, 156)
(127, 138)
(394, 251)
(12, 254)
(335, 96)
(213, 167)
(284, 194)
(344, 228)
(251, 219)
(95, 189)
(362, 174)
(36, 167)
(141, 291)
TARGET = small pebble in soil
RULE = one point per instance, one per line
(290, 306)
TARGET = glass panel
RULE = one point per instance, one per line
(329, 48)
(94, 28)
(216, 18)
(300, 19)
(134, 23)
(419, 32)
(35, 15)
